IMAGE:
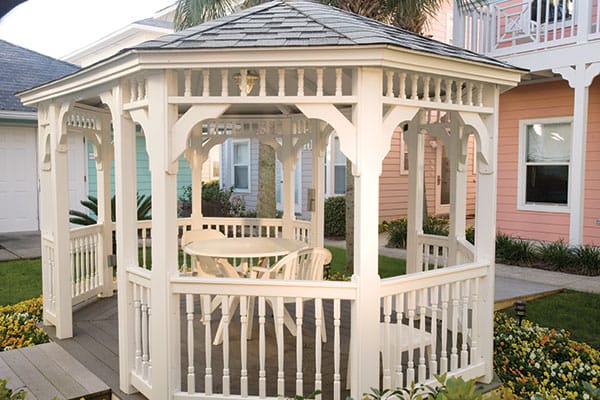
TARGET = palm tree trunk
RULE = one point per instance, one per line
(266, 206)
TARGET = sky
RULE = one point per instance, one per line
(59, 27)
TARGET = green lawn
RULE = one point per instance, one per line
(21, 280)
(576, 312)
(387, 266)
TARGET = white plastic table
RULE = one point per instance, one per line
(253, 247)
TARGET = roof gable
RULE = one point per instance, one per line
(301, 23)
(21, 68)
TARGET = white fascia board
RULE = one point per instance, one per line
(352, 56)
(557, 57)
(116, 67)
(19, 115)
(113, 38)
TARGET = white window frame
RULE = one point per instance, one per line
(403, 154)
(233, 165)
(522, 168)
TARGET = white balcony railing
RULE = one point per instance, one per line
(509, 27)
(86, 262)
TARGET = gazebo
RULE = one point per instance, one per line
(288, 73)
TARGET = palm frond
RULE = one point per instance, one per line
(193, 12)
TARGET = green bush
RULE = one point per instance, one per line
(470, 234)
(9, 394)
(435, 226)
(515, 251)
(557, 255)
(397, 233)
(216, 201)
(586, 259)
(335, 217)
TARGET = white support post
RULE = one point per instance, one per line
(485, 229)
(458, 192)
(288, 163)
(59, 193)
(197, 158)
(583, 12)
(368, 120)
(103, 166)
(580, 78)
(317, 218)
(126, 228)
(415, 140)
(165, 338)
(46, 208)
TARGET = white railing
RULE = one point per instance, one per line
(49, 278)
(302, 230)
(222, 363)
(140, 280)
(86, 262)
(432, 319)
(435, 250)
(507, 27)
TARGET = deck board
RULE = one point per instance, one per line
(47, 371)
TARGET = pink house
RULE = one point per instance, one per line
(549, 147)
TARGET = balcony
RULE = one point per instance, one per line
(512, 30)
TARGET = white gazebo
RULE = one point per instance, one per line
(288, 73)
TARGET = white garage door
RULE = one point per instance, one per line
(18, 179)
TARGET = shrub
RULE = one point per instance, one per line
(530, 359)
(435, 226)
(397, 233)
(555, 254)
(216, 201)
(514, 250)
(586, 259)
(19, 325)
(9, 394)
(470, 234)
(335, 217)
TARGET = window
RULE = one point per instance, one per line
(241, 165)
(403, 155)
(339, 168)
(544, 166)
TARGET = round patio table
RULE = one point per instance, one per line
(254, 247)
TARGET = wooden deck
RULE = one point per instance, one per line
(95, 345)
(47, 371)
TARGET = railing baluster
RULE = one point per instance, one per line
(399, 372)
(224, 82)
(300, 81)
(262, 90)
(244, 345)
(444, 344)
(187, 85)
(225, 324)
(191, 374)
(206, 312)
(422, 320)
(262, 375)
(137, 327)
(281, 83)
(206, 83)
(390, 83)
(410, 370)
(455, 311)
(318, 344)
(433, 365)
(337, 384)
(464, 353)
(299, 353)
(475, 319)
(387, 374)
(145, 359)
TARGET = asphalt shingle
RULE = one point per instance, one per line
(317, 24)
(21, 69)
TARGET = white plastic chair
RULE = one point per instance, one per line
(304, 264)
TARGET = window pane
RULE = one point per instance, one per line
(240, 177)
(339, 157)
(548, 142)
(339, 179)
(240, 153)
(547, 184)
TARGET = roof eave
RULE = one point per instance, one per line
(384, 55)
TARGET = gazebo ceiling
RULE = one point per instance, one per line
(301, 23)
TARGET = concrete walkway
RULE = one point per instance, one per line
(512, 282)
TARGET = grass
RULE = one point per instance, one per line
(387, 266)
(21, 280)
(576, 312)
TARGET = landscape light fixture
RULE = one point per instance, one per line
(520, 310)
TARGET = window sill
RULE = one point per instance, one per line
(539, 207)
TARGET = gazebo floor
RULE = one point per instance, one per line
(95, 345)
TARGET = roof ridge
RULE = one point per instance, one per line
(228, 18)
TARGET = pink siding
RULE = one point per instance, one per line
(544, 100)
(438, 28)
(591, 231)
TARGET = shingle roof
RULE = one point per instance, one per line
(21, 69)
(299, 23)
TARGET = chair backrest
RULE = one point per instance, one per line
(305, 264)
(200, 234)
